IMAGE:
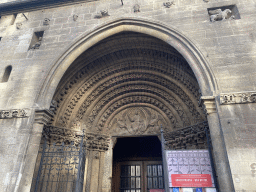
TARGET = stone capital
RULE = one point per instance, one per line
(97, 142)
(43, 116)
(209, 104)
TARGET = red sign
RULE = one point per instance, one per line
(156, 190)
(191, 180)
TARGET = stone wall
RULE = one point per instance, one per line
(228, 46)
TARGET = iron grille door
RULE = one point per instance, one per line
(61, 167)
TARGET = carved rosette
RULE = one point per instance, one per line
(238, 98)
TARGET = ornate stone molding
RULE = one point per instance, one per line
(208, 103)
(43, 116)
(13, 113)
(237, 98)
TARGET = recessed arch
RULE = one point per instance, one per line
(173, 37)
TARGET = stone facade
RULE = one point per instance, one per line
(69, 69)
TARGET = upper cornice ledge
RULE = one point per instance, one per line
(20, 6)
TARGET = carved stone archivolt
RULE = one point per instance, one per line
(146, 73)
(238, 98)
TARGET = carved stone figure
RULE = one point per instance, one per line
(168, 4)
(46, 21)
(218, 14)
(75, 17)
(18, 25)
(103, 13)
(136, 8)
(37, 44)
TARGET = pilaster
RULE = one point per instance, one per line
(219, 149)
(42, 117)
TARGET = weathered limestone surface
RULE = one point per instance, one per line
(228, 46)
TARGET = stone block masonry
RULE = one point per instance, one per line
(228, 47)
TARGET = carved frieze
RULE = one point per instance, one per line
(238, 98)
(192, 137)
(13, 113)
(60, 134)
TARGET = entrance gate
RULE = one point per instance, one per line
(62, 164)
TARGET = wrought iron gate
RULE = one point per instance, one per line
(62, 165)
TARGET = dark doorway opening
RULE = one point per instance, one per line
(137, 148)
(137, 164)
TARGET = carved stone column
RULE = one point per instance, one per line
(42, 117)
(96, 147)
(219, 149)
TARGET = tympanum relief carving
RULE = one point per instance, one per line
(137, 121)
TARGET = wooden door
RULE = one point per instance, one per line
(138, 176)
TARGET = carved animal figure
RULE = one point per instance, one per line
(217, 14)
(37, 44)
(136, 8)
(104, 13)
(169, 4)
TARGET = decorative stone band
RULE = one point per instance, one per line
(192, 137)
(97, 142)
(238, 98)
(13, 113)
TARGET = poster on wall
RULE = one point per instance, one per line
(190, 168)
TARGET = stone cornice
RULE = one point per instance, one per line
(208, 103)
(43, 116)
(32, 5)
(237, 98)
